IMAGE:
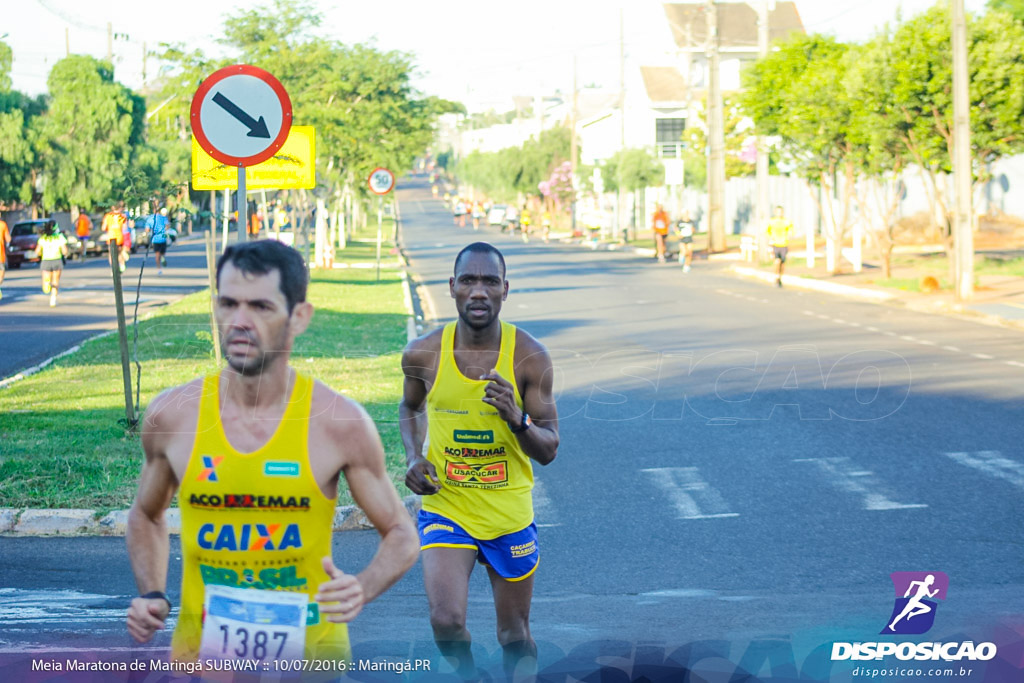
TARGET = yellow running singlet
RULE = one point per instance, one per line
(486, 478)
(256, 521)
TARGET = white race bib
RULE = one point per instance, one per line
(247, 623)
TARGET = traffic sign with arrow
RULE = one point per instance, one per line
(241, 115)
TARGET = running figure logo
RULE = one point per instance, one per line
(914, 612)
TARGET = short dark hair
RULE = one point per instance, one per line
(480, 248)
(261, 257)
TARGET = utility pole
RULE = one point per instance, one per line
(762, 210)
(573, 147)
(110, 42)
(963, 235)
(67, 42)
(716, 138)
(622, 120)
(143, 63)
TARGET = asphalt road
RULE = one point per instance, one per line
(741, 469)
(31, 331)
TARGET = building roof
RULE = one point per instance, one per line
(663, 83)
(737, 23)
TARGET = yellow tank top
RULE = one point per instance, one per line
(486, 478)
(254, 520)
(779, 230)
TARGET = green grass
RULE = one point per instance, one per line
(995, 266)
(63, 439)
(907, 284)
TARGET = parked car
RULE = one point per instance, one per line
(25, 239)
(496, 216)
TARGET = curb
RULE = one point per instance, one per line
(816, 285)
(78, 522)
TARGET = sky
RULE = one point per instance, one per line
(478, 52)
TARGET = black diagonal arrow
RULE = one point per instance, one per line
(257, 129)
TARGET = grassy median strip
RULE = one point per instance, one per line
(61, 443)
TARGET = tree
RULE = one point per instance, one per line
(737, 134)
(1014, 8)
(920, 99)
(359, 99)
(510, 173)
(633, 170)
(88, 136)
(799, 94)
(17, 154)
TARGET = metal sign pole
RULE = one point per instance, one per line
(243, 207)
(380, 227)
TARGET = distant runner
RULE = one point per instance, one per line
(686, 230)
(158, 238)
(5, 241)
(779, 229)
(51, 249)
(479, 393)
(83, 228)
(659, 224)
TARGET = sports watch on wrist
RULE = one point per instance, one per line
(524, 424)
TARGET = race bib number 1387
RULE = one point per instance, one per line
(245, 623)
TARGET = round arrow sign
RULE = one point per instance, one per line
(381, 181)
(241, 115)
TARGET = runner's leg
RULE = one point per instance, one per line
(512, 607)
(446, 578)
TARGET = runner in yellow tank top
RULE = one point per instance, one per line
(482, 390)
(255, 454)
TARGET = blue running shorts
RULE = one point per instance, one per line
(513, 556)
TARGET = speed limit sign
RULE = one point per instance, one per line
(381, 181)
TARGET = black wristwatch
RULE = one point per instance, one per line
(524, 424)
(154, 595)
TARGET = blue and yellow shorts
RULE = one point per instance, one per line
(513, 556)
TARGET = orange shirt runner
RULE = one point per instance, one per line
(83, 226)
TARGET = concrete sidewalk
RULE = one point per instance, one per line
(998, 299)
(77, 522)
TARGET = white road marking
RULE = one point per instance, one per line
(846, 476)
(810, 313)
(889, 334)
(993, 463)
(872, 329)
(839, 320)
(982, 356)
(907, 337)
(823, 316)
(926, 342)
(543, 509)
(954, 349)
(1015, 363)
(692, 497)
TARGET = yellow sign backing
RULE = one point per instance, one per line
(293, 167)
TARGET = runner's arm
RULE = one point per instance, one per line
(421, 478)
(146, 535)
(342, 598)
(539, 441)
